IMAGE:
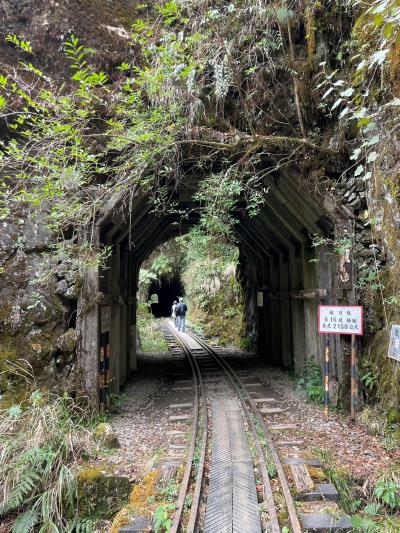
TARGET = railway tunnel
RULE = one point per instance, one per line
(167, 290)
(284, 278)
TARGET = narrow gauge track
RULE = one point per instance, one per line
(199, 359)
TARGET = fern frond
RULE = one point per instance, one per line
(82, 525)
(26, 521)
(23, 489)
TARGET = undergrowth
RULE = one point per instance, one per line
(212, 288)
(311, 383)
(373, 504)
(43, 439)
(385, 425)
(151, 338)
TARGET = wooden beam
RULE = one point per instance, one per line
(308, 294)
(88, 329)
(248, 240)
(284, 193)
(284, 216)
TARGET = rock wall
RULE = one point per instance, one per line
(383, 304)
(38, 299)
(36, 306)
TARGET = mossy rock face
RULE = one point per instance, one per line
(8, 356)
(393, 416)
(105, 435)
(67, 341)
(387, 370)
(101, 492)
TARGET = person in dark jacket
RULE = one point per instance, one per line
(181, 310)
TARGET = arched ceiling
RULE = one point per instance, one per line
(287, 220)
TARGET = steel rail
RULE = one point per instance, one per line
(241, 388)
(199, 387)
(268, 495)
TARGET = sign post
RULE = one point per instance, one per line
(354, 388)
(341, 320)
(326, 376)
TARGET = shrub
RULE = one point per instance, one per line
(43, 439)
(388, 492)
(311, 382)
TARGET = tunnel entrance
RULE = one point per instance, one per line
(167, 289)
(282, 275)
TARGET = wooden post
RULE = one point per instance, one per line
(115, 332)
(87, 326)
(353, 377)
(326, 376)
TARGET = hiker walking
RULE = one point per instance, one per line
(173, 313)
(180, 311)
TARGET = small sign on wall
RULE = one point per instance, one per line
(105, 318)
(394, 344)
(260, 299)
(340, 319)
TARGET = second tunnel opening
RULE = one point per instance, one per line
(167, 290)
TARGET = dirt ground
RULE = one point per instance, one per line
(141, 423)
(350, 445)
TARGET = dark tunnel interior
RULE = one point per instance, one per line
(167, 290)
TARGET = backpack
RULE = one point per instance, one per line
(180, 309)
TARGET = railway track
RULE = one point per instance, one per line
(232, 452)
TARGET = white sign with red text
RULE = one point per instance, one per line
(340, 319)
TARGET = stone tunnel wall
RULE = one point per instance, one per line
(37, 303)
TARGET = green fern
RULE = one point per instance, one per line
(363, 525)
(82, 525)
(23, 489)
(26, 521)
(40, 448)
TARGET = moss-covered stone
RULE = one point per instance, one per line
(101, 492)
(67, 341)
(387, 370)
(123, 518)
(105, 435)
(138, 501)
(396, 435)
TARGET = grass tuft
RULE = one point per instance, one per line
(43, 438)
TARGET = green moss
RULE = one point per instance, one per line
(393, 182)
(8, 355)
(310, 20)
(89, 474)
(393, 416)
(396, 435)
(106, 436)
(387, 370)
(14, 395)
(100, 491)
(138, 501)
(5, 311)
(394, 67)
